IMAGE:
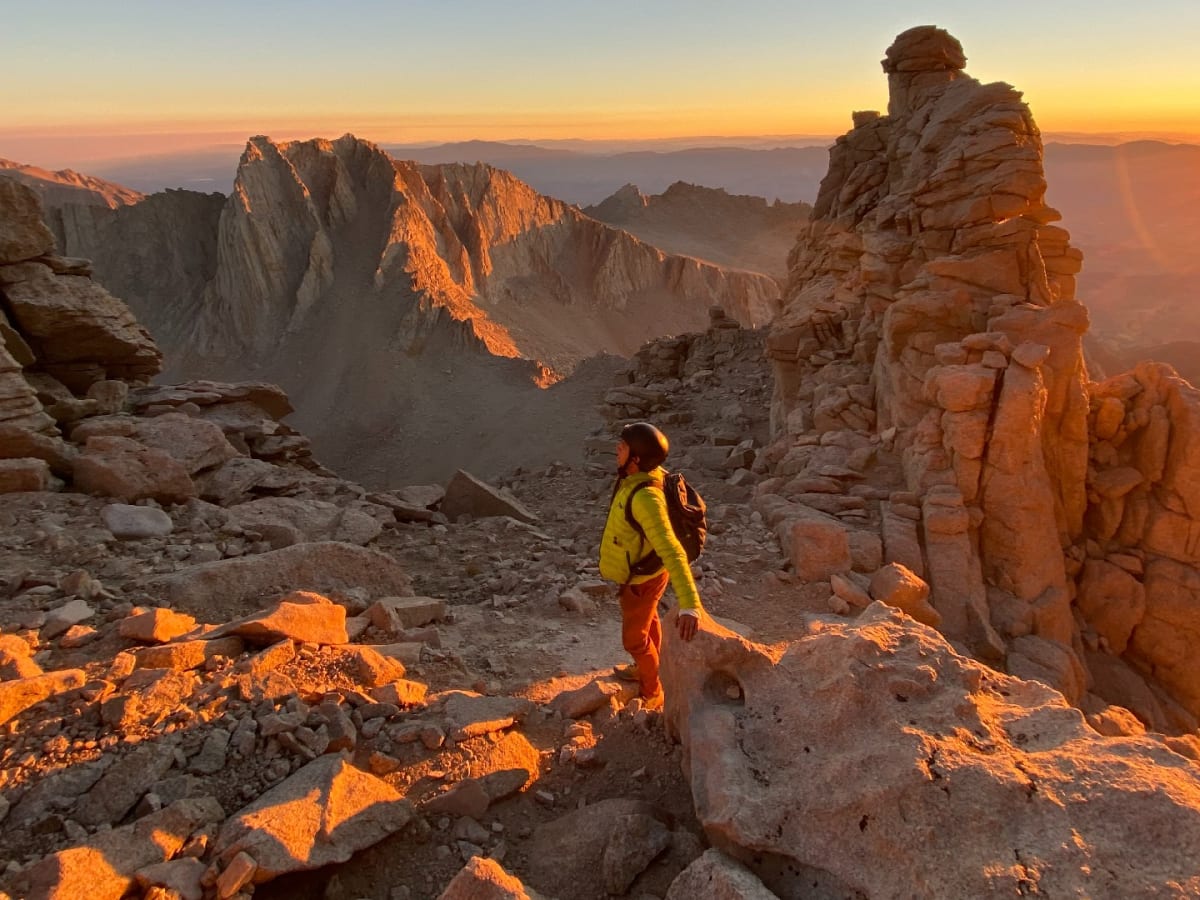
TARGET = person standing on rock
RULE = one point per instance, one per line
(641, 451)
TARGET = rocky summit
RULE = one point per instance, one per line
(949, 587)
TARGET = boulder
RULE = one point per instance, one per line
(19, 475)
(104, 867)
(284, 521)
(300, 616)
(945, 754)
(896, 586)
(717, 877)
(323, 566)
(196, 444)
(485, 879)
(323, 813)
(80, 333)
(155, 626)
(17, 696)
(466, 495)
(113, 466)
(128, 522)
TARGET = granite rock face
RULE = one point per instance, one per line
(929, 361)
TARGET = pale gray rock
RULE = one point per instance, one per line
(129, 522)
(632, 845)
(323, 566)
(63, 617)
(284, 521)
(717, 877)
(467, 495)
(123, 784)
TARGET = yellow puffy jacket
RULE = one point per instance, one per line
(622, 546)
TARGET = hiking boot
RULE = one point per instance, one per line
(627, 672)
(654, 701)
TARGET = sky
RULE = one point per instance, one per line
(96, 79)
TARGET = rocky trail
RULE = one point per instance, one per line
(495, 665)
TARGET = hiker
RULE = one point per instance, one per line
(641, 451)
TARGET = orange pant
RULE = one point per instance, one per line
(641, 631)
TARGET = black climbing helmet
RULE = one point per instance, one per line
(647, 443)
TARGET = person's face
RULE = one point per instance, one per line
(622, 454)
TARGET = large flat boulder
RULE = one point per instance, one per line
(292, 520)
(243, 582)
(952, 780)
(324, 813)
(300, 616)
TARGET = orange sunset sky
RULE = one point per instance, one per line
(140, 77)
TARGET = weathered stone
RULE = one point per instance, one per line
(23, 443)
(135, 522)
(18, 696)
(104, 868)
(180, 876)
(187, 654)
(322, 814)
(592, 696)
(467, 495)
(395, 614)
(818, 546)
(401, 692)
(155, 626)
(904, 708)
(121, 468)
(486, 879)
(469, 714)
(1112, 602)
(120, 788)
(63, 617)
(194, 443)
(896, 586)
(714, 875)
(632, 846)
(285, 521)
(81, 333)
(17, 475)
(300, 616)
(324, 566)
(23, 234)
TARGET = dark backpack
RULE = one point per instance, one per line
(686, 511)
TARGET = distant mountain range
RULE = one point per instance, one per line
(392, 297)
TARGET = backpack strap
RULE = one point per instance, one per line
(632, 520)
